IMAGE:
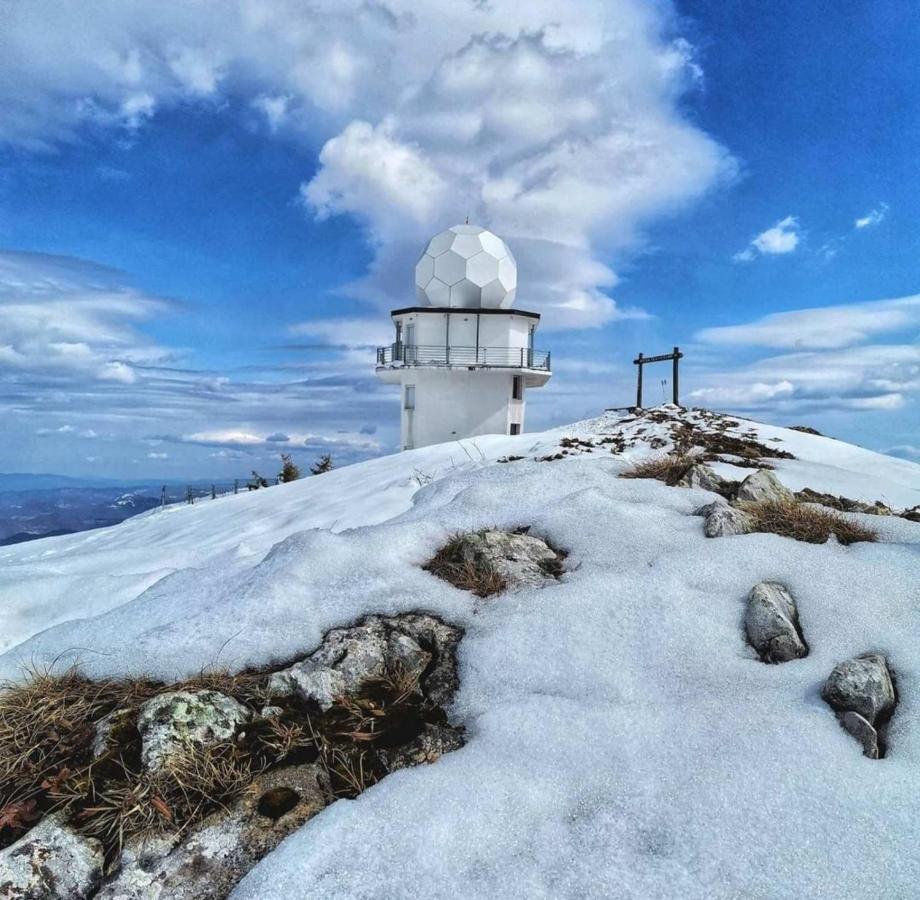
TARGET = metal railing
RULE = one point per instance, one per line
(439, 355)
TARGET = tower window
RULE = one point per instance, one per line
(409, 397)
(515, 428)
(517, 388)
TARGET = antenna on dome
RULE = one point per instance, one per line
(467, 220)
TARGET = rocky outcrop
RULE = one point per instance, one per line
(171, 722)
(702, 477)
(864, 687)
(51, 862)
(519, 558)
(843, 504)
(216, 854)
(418, 646)
(428, 747)
(723, 520)
(771, 622)
(762, 486)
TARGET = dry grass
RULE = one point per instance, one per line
(48, 726)
(459, 563)
(790, 518)
(669, 468)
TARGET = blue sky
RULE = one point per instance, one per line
(207, 209)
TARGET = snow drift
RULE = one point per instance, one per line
(622, 737)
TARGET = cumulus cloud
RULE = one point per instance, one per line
(825, 327)
(782, 238)
(559, 125)
(75, 364)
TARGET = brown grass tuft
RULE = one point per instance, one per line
(459, 563)
(669, 468)
(790, 518)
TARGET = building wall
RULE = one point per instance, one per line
(431, 329)
(451, 404)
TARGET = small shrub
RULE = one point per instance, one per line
(669, 468)
(323, 464)
(790, 518)
(459, 563)
(257, 481)
(289, 469)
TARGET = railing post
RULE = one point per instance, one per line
(522, 358)
(236, 485)
(213, 492)
(639, 384)
(163, 497)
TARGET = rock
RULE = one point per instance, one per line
(723, 520)
(771, 622)
(761, 486)
(270, 712)
(519, 558)
(109, 731)
(701, 476)
(428, 747)
(912, 514)
(856, 725)
(216, 854)
(862, 685)
(418, 645)
(170, 722)
(51, 862)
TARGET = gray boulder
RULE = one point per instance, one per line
(862, 685)
(349, 658)
(723, 520)
(51, 862)
(215, 855)
(109, 729)
(171, 722)
(520, 559)
(762, 486)
(853, 723)
(771, 622)
(701, 476)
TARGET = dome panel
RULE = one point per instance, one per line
(493, 294)
(424, 270)
(507, 272)
(439, 244)
(437, 292)
(467, 229)
(493, 244)
(508, 302)
(467, 245)
(450, 267)
(465, 294)
(482, 268)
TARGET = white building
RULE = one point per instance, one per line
(463, 358)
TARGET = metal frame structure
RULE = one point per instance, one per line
(641, 360)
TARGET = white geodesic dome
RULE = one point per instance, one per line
(466, 266)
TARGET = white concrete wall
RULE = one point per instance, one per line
(454, 402)
(457, 403)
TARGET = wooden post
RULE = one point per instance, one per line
(236, 485)
(675, 379)
(639, 384)
(163, 498)
(213, 492)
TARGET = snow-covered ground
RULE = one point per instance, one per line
(623, 740)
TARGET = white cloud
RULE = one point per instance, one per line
(358, 334)
(873, 217)
(782, 238)
(559, 125)
(820, 328)
(153, 455)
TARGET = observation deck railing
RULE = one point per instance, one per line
(439, 355)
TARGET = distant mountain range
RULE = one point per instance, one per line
(42, 512)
